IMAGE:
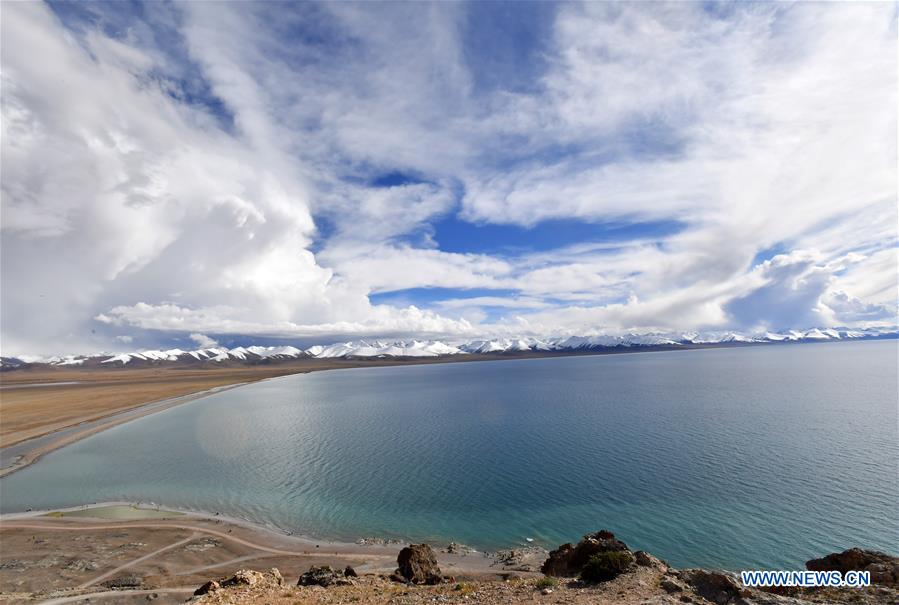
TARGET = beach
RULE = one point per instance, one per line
(83, 551)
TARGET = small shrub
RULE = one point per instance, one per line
(606, 566)
(546, 582)
(464, 589)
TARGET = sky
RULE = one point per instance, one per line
(311, 172)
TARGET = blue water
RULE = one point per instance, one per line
(758, 457)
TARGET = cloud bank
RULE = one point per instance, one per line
(341, 169)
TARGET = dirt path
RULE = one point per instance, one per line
(117, 594)
(133, 562)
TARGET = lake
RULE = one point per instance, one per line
(748, 457)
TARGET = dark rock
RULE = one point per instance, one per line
(671, 586)
(884, 568)
(569, 561)
(124, 582)
(321, 576)
(349, 572)
(715, 586)
(211, 586)
(644, 559)
(454, 548)
(417, 564)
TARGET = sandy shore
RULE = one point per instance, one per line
(71, 552)
(85, 555)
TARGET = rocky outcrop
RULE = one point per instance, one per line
(884, 568)
(242, 578)
(208, 587)
(715, 586)
(644, 559)
(324, 576)
(569, 561)
(417, 564)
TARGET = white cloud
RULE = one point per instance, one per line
(128, 205)
(203, 341)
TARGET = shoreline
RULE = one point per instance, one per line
(362, 544)
(29, 451)
(59, 559)
(380, 553)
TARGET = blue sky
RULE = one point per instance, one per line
(308, 172)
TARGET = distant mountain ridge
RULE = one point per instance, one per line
(437, 348)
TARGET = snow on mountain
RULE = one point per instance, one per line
(214, 354)
(436, 348)
(170, 355)
(276, 352)
(506, 345)
(68, 360)
(413, 348)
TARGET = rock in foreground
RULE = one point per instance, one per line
(323, 576)
(417, 564)
(644, 579)
(715, 586)
(884, 568)
(569, 561)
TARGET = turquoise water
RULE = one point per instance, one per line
(756, 457)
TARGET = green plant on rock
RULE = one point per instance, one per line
(606, 566)
(547, 582)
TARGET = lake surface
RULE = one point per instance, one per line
(755, 457)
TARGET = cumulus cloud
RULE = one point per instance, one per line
(213, 169)
(203, 341)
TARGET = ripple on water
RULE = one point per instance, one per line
(745, 457)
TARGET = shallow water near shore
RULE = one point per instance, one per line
(752, 457)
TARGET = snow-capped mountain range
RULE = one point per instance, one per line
(435, 348)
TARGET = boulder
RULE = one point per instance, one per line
(210, 586)
(417, 564)
(670, 585)
(644, 559)
(322, 576)
(244, 577)
(349, 572)
(884, 568)
(568, 561)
